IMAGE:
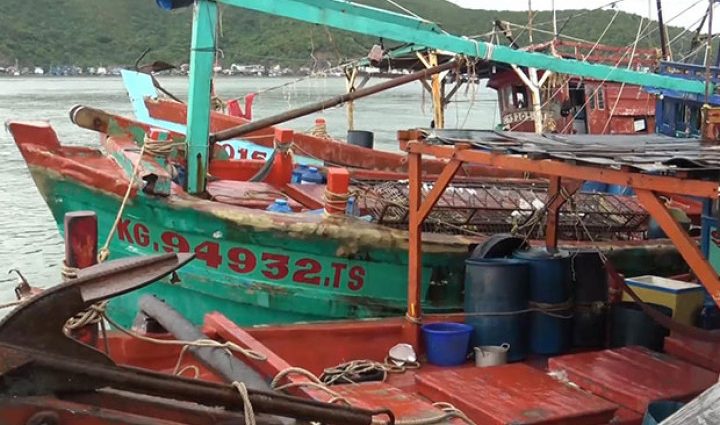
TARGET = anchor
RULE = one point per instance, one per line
(42, 366)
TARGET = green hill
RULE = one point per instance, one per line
(115, 32)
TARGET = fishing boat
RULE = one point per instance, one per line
(167, 369)
(580, 105)
(152, 193)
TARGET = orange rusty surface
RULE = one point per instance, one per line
(40, 149)
(700, 353)
(634, 376)
(514, 394)
(333, 342)
(686, 246)
(547, 167)
(235, 169)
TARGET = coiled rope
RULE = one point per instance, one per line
(163, 147)
(345, 372)
(320, 130)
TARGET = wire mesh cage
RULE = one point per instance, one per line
(507, 207)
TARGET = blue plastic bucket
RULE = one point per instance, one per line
(658, 411)
(447, 344)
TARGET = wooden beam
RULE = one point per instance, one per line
(687, 247)
(549, 167)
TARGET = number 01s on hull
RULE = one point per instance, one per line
(253, 265)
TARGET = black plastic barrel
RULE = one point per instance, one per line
(631, 326)
(590, 292)
(362, 138)
(496, 289)
(549, 286)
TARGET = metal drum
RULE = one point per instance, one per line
(496, 295)
(590, 292)
(549, 289)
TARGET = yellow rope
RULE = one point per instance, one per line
(104, 252)
(162, 147)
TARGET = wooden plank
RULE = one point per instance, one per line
(700, 353)
(633, 376)
(514, 394)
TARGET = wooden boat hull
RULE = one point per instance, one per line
(253, 265)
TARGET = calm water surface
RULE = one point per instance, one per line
(29, 240)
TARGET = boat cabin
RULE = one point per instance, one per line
(678, 113)
(577, 105)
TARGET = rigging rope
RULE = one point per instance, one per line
(622, 86)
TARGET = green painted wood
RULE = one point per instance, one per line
(252, 272)
(202, 58)
(367, 20)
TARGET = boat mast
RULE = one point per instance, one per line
(554, 12)
(202, 59)
(530, 22)
(663, 35)
(708, 50)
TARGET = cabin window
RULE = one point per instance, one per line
(520, 97)
(507, 97)
(668, 117)
(694, 119)
(600, 98)
(590, 94)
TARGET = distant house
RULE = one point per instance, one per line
(101, 71)
(247, 69)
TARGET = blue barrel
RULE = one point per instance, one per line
(498, 287)
(549, 284)
(312, 176)
(590, 293)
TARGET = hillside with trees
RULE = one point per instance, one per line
(115, 32)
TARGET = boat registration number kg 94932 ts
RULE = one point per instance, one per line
(244, 261)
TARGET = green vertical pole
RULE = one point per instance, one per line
(202, 58)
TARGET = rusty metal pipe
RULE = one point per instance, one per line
(173, 387)
(244, 129)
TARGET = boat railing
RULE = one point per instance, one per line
(689, 71)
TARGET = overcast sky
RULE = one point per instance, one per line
(640, 7)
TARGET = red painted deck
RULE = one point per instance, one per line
(634, 376)
(248, 194)
(700, 353)
(624, 416)
(377, 395)
(514, 394)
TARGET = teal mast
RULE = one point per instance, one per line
(202, 59)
